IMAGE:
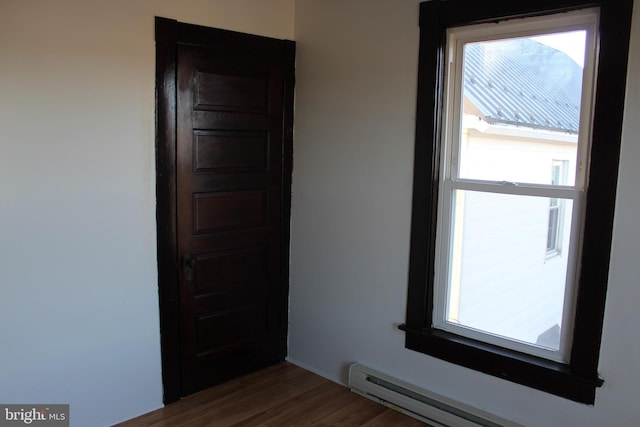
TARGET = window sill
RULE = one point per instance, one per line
(545, 375)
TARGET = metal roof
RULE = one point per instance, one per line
(522, 82)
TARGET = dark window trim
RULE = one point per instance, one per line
(578, 379)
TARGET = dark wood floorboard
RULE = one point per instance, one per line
(280, 396)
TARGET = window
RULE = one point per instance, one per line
(511, 103)
(498, 102)
(553, 234)
(555, 228)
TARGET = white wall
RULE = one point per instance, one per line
(355, 118)
(78, 287)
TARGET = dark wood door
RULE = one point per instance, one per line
(232, 190)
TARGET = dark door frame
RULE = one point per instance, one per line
(169, 33)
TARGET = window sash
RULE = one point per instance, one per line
(456, 38)
(443, 263)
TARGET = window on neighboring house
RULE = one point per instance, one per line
(556, 210)
(505, 90)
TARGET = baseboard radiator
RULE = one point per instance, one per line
(418, 403)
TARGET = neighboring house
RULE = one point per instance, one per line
(521, 115)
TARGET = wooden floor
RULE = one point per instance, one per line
(283, 395)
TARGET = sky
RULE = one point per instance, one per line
(572, 43)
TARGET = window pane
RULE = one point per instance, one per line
(554, 223)
(501, 280)
(521, 105)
